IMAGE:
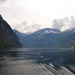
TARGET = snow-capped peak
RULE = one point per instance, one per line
(47, 30)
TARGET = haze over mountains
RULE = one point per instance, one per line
(48, 38)
(43, 38)
(7, 36)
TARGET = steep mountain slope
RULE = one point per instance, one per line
(49, 38)
(7, 36)
(67, 39)
(35, 38)
(20, 35)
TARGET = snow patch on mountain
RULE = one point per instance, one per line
(46, 31)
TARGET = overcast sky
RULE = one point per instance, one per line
(32, 15)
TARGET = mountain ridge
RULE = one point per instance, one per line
(47, 30)
(49, 40)
(8, 38)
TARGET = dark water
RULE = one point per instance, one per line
(31, 61)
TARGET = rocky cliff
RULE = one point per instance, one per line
(8, 38)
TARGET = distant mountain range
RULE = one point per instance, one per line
(46, 30)
(43, 38)
(8, 38)
(48, 38)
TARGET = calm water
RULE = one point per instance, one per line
(30, 61)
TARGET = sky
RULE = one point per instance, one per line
(31, 15)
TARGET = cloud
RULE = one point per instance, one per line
(72, 22)
(24, 23)
(58, 24)
(64, 23)
(29, 27)
(2, 1)
(25, 27)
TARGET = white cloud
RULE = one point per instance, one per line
(64, 23)
(25, 27)
(41, 11)
(58, 24)
(1, 1)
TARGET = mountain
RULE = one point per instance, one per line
(20, 35)
(28, 40)
(46, 30)
(48, 38)
(8, 38)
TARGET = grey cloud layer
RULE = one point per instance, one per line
(61, 24)
(27, 28)
(58, 24)
(1, 1)
(66, 23)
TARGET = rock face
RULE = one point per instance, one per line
(8, 38)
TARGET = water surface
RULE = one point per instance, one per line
(37, 61)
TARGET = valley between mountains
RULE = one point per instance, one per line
(48, 38)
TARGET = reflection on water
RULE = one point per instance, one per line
(31, 61)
